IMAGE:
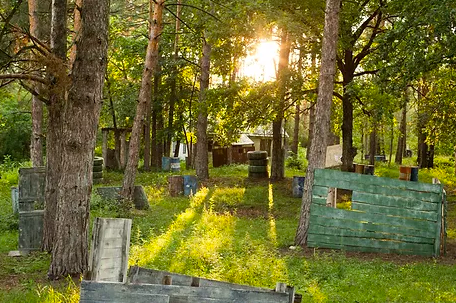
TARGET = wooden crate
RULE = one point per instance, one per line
(387, 215)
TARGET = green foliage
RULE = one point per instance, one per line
(15, 124)
(298, 161)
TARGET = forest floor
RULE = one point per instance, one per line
(242, 231)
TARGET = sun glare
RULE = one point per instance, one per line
(261, 64)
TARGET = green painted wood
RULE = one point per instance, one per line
(438, 230)
(334, 213)
(369, 226)
(394, 211)
(378, 189)
(321, 191)
(325, 230)
(401, 202)
(364, 249)
(319, 200)
(373, 243)
(386, 182)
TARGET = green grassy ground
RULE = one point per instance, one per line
(240, 231)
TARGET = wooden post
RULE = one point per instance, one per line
(176, 185)
(104, 147)
(281, 287)
(167, 280)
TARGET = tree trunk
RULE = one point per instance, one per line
(313, 68)
(54, 128)
(278, 163)
(373, 144)
(321, 130)
(145, 94)
(401, 141)
(348, 152)
(201, 158)
(294, 146)
(80, 121)
(173, 95)
(36, 142)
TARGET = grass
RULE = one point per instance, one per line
(241, 231)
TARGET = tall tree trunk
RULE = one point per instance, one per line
(36, 142)
(54, 151)
(157, 124)
(348, 152)
(321, 130)
(145, 94)
(373, 143)
(80, 121)
(278, 161)
(401, 141)
(294, 146)
(173, 95)
(313, 69)
(201, 157)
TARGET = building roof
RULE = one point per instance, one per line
(244, 140)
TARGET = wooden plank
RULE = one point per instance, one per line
(108, 259)
(176, 292)
(321, 191)
(112, 296)
(384, 182)
(364, 249)
(395, 211)
(394, 201)
(142, 275)
(334, 213)
(319, 200)
(372, 243)
(378, 189)
(342, 232)
(439, 227)
(369, 226)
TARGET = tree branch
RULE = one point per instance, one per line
(34, 93)
(24, 77)
(195, 7)
(367, 72)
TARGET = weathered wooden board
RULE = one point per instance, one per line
(30, 230)
(142, 275)
(400, 202)
(334, 213)
(108, 260)
(32, 182)
(329, 174)
(387, 215)
(180, 294)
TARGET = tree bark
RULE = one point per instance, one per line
(173, 99)
(294, 146)
(401, 141)
(348, 152)
(54, 128)
(317, 155)
(79, 124)
(145, 94)
(373, 144)
(36, 142)
(278, 161)
(201, 157)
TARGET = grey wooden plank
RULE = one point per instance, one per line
(385, 182)
(113, 296)
(401, 202)
(143, 275)
(395, 211)
(335, 213)
(238, 295)
(325, 230)
(370, 226)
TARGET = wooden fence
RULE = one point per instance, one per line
(387, 215)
